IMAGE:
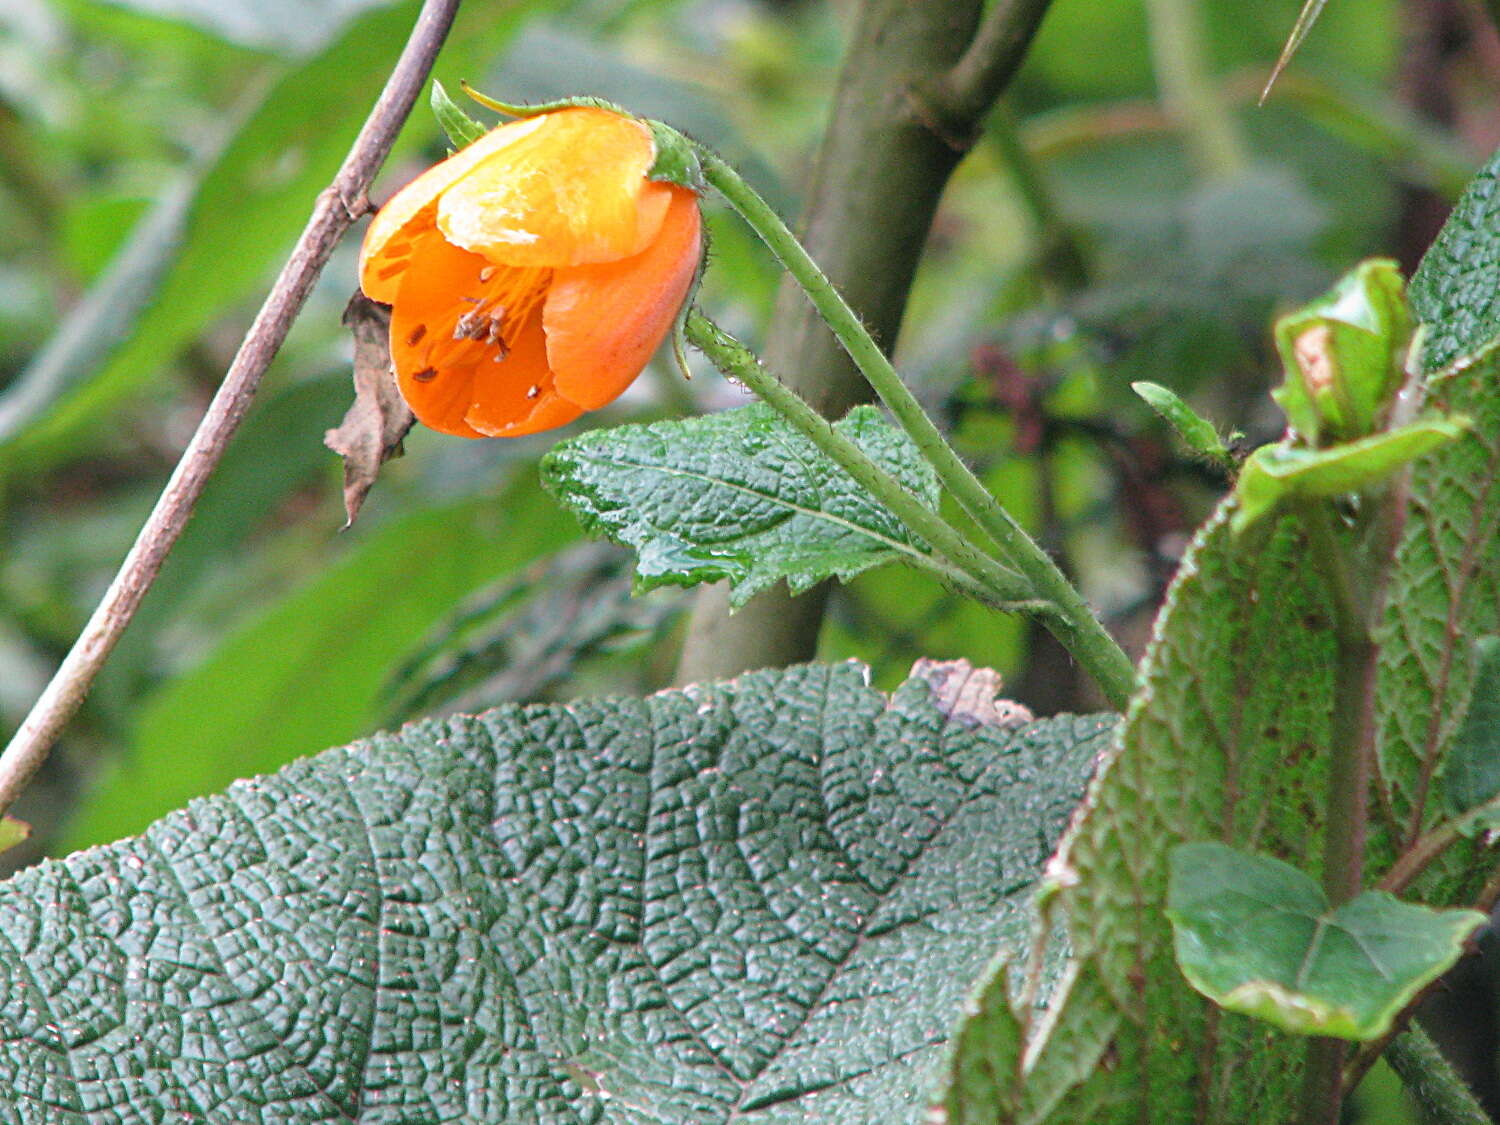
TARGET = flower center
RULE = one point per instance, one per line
(492, 309)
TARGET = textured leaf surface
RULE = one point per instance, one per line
(1226, 741)
(739, 495)
(1258, 936)
(1471, 773)
(1456, 292)
(758, 901)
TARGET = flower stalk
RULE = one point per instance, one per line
(960, 564)
(1071, 621)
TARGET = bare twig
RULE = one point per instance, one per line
(965, 94)
(337, 208)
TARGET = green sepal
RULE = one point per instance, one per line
(1345, 355)
(1275, 473)
(1469, 787)
(511, 109)
(1196, 431)
(676, 158)
(462, 129)
(1258, 936)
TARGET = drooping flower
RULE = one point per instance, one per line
(532, 274)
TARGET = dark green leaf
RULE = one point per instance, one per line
(1258, 936)
(738, 495)
(759, 900)
(1456, 290)
(1471, 771)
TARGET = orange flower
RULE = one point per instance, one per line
(533, 274)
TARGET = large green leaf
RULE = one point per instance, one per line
(1456, 291)
(1259, 936)
(739, 495)
(313, 669)
(754, 901)
(1228, 740)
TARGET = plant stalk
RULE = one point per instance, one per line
(1073, 623)
(973, 568)
(338, 207)
(1442, 1094)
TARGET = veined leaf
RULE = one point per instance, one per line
(1471, 772)
(1258, 936)
(1228, 738)
(752, 901)
(739, 495)
(1456, 290)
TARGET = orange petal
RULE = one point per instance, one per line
(570, 192)
(412, 211)
(604, 322)
(517, 396)
(435, 377)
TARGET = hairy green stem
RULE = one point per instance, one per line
(1073, 623)
(1441, 1093)
(960, 563)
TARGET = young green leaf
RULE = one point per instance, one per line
(753, 901)
(462, 129)
(1277, 473)
(1258, 936)
(1194, 429)
(1471, 771)
(738, 495)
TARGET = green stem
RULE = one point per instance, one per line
(959, 562)
(1432, 1081)
(1352, 752)
(1187, 90)
(1073, 623)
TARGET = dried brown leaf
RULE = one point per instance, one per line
(372, 430)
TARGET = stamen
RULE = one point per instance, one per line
(426, 375)
(415, 336)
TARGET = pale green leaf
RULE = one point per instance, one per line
(462, 129)
(1196, 431)
(1274, 474)
(739, 495)
(752, 901)
(1258, 936)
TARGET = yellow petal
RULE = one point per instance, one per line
(572, 191)
(386, 250)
